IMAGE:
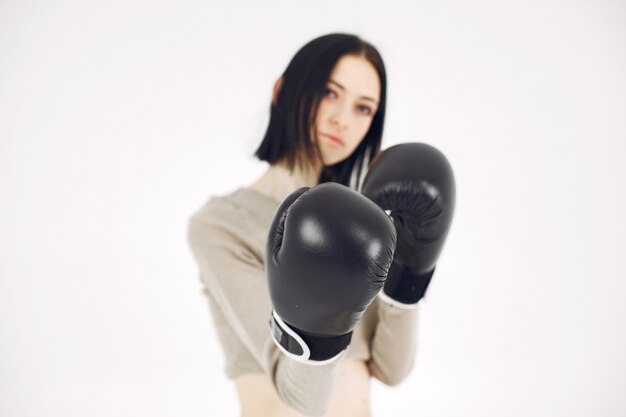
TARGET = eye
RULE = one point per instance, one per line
(365, 109)
(329, 93)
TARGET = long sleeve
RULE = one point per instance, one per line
(394, 344)
(234, 278)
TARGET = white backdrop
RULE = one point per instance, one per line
(119, 119)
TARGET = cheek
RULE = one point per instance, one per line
(362, 129)
(322, 109)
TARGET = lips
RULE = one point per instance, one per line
(334, 139)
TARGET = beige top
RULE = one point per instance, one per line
(227, 236)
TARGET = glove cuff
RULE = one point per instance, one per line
(305, 347)
(404, 288)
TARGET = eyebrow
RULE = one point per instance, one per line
(343, 88)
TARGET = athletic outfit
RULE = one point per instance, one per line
(228, 237)
(345, 272)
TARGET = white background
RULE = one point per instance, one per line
(119, 119)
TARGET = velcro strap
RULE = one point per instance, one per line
(307, 347)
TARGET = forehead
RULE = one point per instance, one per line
(357, 75)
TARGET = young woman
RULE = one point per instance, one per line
(326, 124)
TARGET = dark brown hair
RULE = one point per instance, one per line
(291, 116)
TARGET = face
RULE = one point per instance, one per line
(347, 108)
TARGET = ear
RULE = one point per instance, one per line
(277, 85)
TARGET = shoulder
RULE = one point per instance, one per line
(243, 209)
(234, 224)
(226, 244)
(219, 215)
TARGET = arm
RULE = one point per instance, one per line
(414, 183)
(394, 344)
(236, 282)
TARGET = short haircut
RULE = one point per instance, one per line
(292, 115)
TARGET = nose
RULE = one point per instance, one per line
(340, 117)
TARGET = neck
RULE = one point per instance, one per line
(278, 181)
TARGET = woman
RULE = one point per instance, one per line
(326, 125)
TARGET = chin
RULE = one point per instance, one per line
(334, 160)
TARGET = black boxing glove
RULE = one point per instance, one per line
(414, 183)
(328, 252)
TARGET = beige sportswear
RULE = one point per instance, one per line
(227, 236)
